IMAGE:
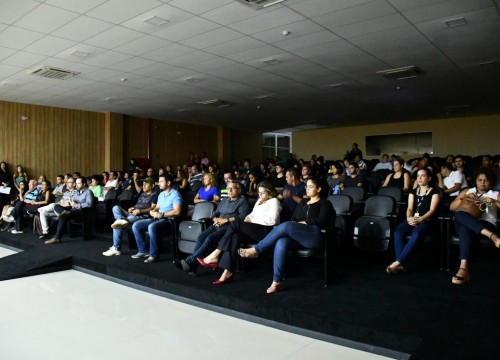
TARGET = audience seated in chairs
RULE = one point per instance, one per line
(336, 178)
(451, 180)
(253, 228)
(303, 231)
(230, 208)
(125, 218)
(471, 225)
(354, 178)
(81, 198)
(169, 205)
(421, 220)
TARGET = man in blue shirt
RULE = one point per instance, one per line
(169, 205)
(82, 198)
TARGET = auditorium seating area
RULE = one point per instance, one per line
(396, 316)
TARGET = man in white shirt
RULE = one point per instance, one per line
(384, 163)
(452, 181)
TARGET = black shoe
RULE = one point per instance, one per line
(177, 264)
(45, 237)
(65, 214)
(185, 266)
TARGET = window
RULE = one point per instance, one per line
(276, 144)
(399, 144)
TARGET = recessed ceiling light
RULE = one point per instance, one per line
(455, 22)
(489, 63)
(261, 97)
(192, 79)
(271, 61)
(155, 20)
(336, 85)
(183, 110)
(272, 3)
(79, 54)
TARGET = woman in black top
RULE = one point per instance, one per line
(303, 231)
(399, 177)
(421, 214)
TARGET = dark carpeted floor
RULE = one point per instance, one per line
(419, 313)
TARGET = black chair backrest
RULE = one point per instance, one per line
(355, 192)
(203, 210)
(379, 205)
(392, 191)
(125, 195)
(110, 194)
(341, 203)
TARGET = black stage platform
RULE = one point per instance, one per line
(419, 313)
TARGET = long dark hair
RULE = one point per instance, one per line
(321, 183)
(489, 173)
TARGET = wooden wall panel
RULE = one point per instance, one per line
(52, 140)
(171, 142)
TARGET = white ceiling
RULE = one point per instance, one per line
(214, 49)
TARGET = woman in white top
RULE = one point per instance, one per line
(265, 214)
(469, 228)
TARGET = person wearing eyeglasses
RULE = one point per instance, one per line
(229, 210)
(265, 214)
(47, 212)
(303, 231)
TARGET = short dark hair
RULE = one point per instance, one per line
(294, 172)
(167, 176)
(489, 173)
(447, 165)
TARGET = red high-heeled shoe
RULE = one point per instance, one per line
(228, 279)
(202, 262)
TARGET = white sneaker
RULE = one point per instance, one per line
(140, 255)
(120, 223)
(112, 251)
(16, 231)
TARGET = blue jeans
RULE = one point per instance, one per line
(205, 244)
(469, 229)
(155, 228)
(120, 213)
(418, 233)
(285, 235)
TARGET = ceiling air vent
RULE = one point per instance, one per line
(53, 73)
(402, 73)
(260, 4)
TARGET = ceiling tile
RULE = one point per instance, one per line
(8, 70)
(231, 13)
(371, 26)
(46, 19)
(235, 46)
(446, 8)
(13, 10)
(82, 28)
(168, 52)
(199, 6)
(107, 58)
(17, 38)
(211, 38)
(6, 52)
(131, 64)
(261, 52)
(142, 45)
(308, 40)
(117, 11)
(210, 65)
(355, 14)
(296, 29)
(25, 59)
(265, 21)
(49, 45)
(312, 8)
(114, 37)
(192, 58)
(78, 6)
(186, 29)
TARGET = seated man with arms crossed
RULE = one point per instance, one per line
(47, 212)
(169, 205)
(145, 203)
(82, 198)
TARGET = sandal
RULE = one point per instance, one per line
(459, 280)
(496, 241)
(397, 270)
(274, 288)
(245, 253)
